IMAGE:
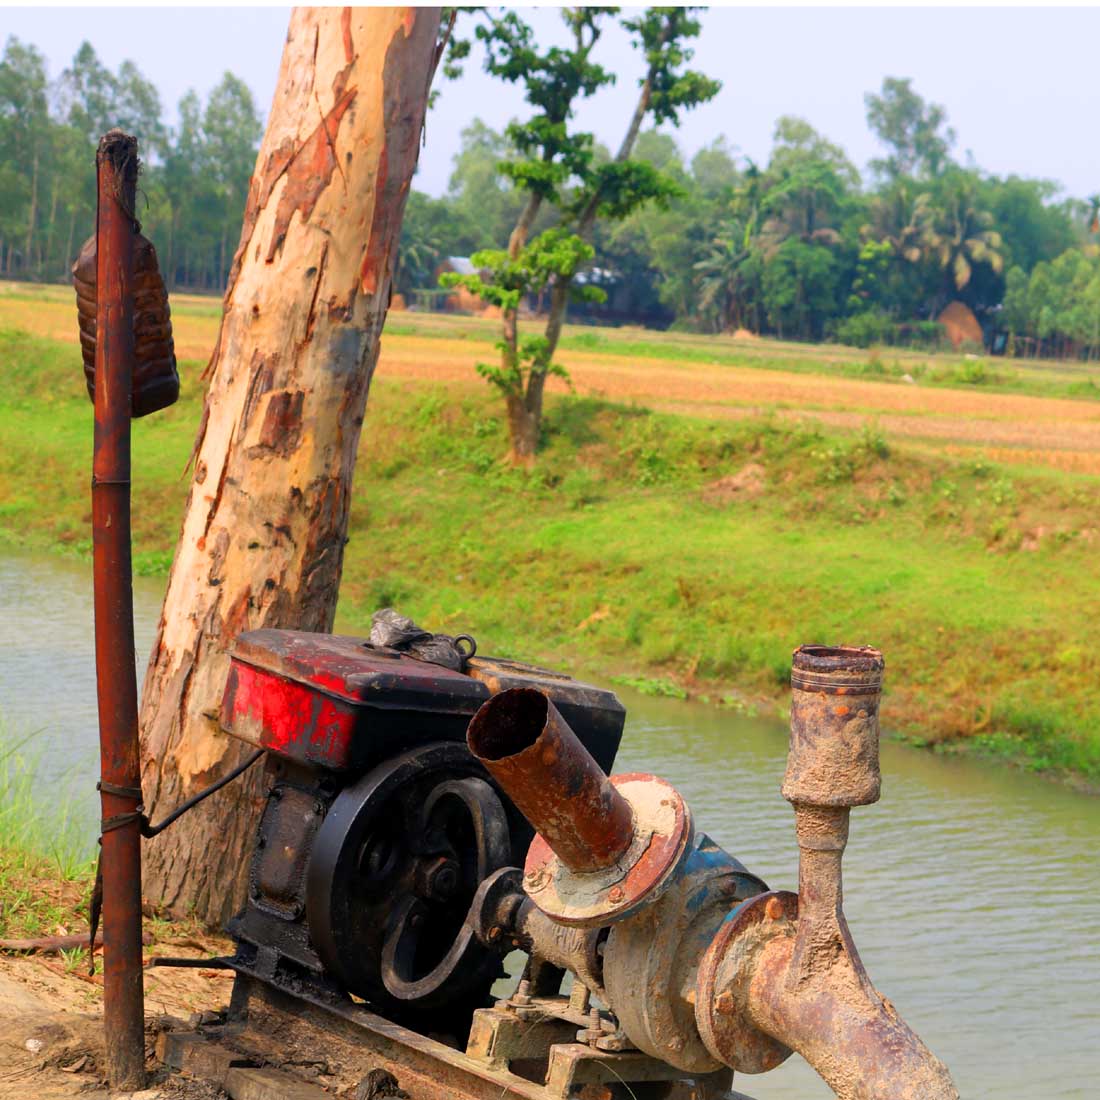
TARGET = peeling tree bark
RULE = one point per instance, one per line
(266, 520)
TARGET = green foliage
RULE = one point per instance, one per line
(555, 166)
(194, 181)
(649, 685)
(863, 330)
(915, 132)
(553, 80)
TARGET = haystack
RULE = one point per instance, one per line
(961, 325)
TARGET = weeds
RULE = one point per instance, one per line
(650, 685)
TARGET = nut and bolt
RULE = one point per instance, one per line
(594, 1031)
(437, 878)
(495, 933)
(534, 880)
(773, 909)
(723, 1003)
(616, 894)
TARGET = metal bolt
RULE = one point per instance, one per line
(595, 1027)
(495, 933)
(534, 881)
(773, 908)
(616, 894)
(522, 995)
(437, 878)
(723, 1003)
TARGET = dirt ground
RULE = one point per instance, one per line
(51, 1024)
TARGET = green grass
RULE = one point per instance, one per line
(46, 864)
(629, 552)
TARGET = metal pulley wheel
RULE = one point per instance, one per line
(393, 871)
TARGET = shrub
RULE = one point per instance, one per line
(863, 330)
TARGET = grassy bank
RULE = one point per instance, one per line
(46, 867)
(684, 554)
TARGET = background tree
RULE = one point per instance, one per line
(915, 132)
(266, 519)
(694, 254)
(24, 151)
(556, 167)
(958, 234)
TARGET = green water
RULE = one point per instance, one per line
(972, 891)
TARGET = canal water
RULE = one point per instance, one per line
(973, 891)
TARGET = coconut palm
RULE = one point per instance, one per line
(801, 204)
(722, 277)
(896, 217)
(957, 233)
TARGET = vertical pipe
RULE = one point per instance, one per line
(116, 684)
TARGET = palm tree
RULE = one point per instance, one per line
(958, 234)
(722, 276)
(896, 217)
(801, 204)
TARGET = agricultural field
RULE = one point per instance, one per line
(701, 506)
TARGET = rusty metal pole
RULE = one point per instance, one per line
(116, 683)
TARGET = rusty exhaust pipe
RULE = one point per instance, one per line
(116, 683)
(604, 847)
(526, 745)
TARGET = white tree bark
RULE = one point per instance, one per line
(266, 518)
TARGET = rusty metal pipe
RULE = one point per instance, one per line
(850, 1034)
(784, 970)
(116, 684)
(811, 992)
(529, 749)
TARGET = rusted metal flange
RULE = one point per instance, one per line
(726, 968)
(589, 899)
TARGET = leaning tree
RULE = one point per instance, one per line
(266, 519)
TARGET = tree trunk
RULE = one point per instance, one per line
(68, 257)
(45, 261)
(33, 215)
(169, 262)
(523, 429)
(266, 520)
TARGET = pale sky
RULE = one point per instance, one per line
(1020, 85)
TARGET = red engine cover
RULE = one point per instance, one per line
(332, 701)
